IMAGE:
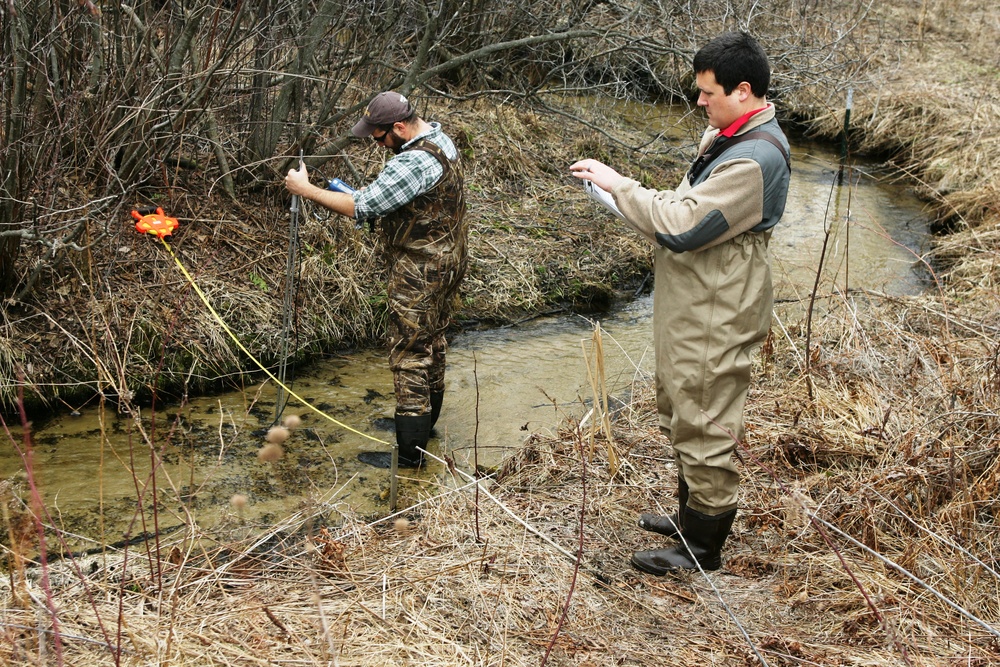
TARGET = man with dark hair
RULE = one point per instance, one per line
(712, 295)
(419, 198)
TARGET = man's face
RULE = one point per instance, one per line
(722, 109)
(389, 139)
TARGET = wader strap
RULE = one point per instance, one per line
(720, 147)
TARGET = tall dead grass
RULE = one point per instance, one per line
(932, 109)
(866, 535)
(868, 524)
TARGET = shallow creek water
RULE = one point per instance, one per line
(502, 385)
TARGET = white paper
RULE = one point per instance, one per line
(603, 197)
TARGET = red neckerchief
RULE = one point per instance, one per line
(738, 123)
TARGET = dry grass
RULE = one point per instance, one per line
(867, 536)
(931, 105)
(869, 516)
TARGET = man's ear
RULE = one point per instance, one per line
(745, 91)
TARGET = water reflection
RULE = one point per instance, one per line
(875, 230)
(502, 385)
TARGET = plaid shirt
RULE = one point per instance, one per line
(406, 176)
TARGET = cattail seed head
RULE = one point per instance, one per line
(277, 434)
(269, 453)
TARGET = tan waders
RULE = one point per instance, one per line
(712, 310)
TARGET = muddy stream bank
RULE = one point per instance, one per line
(502, 385)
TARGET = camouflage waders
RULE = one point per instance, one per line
(426, 245)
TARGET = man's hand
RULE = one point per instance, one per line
(297, 180)
(596, 172)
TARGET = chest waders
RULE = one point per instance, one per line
(712, 309)
(426, 248)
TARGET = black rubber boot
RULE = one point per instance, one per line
(672, 525)
(437, 399)
(704, 536)
(411, 432)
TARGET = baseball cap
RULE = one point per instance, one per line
(385, 109)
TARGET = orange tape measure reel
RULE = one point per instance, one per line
(157, 224)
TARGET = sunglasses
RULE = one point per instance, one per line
(380, 139)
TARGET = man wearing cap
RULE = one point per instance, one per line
(419, 200)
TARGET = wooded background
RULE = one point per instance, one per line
(103, 104)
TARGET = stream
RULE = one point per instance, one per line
(502, 384)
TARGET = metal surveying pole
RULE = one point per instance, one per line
(281, 397)
(393, 481)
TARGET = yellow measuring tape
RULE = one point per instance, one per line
(236, 340)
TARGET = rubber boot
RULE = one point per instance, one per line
(437, 399)
(411, 432)
(672, 525)
(703, 535)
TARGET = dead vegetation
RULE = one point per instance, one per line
(241, 88)
(536, 245)
(867, 536)
(868, 527)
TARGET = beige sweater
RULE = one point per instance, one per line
(743, 189)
